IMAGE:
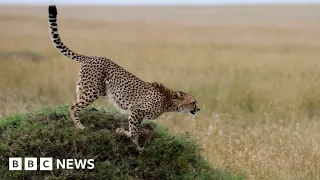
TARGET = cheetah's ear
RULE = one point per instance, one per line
(176, 95)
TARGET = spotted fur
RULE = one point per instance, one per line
(99, 76)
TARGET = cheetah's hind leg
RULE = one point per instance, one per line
(78, 90)
(83, 101)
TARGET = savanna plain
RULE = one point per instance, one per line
(255, 71)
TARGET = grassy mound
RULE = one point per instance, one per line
(50, 133)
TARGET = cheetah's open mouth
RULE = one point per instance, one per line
(193, 112)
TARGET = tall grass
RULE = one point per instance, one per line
(256, 79)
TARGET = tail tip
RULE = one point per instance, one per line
(52, 10)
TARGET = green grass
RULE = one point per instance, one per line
(49, 133)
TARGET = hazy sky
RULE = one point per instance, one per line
(153, 1)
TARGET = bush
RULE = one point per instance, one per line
(50, 133)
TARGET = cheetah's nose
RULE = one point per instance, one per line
(198, 109)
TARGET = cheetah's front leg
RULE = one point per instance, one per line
(134, 127)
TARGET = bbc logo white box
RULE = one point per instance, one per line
(15, 164)
(30, 164)
(46, 164)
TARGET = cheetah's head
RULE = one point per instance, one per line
(183, 102)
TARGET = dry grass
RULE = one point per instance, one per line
(256, 70)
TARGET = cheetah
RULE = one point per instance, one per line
(100, 76)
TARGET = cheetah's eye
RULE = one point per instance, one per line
(193, 102)
(180, 94)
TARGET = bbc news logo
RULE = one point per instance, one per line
(46, 164)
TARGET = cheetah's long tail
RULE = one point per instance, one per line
(53, 28)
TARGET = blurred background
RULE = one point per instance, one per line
(254, 67)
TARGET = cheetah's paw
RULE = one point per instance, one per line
(80, 127)
(120, 131)
(140, 149)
